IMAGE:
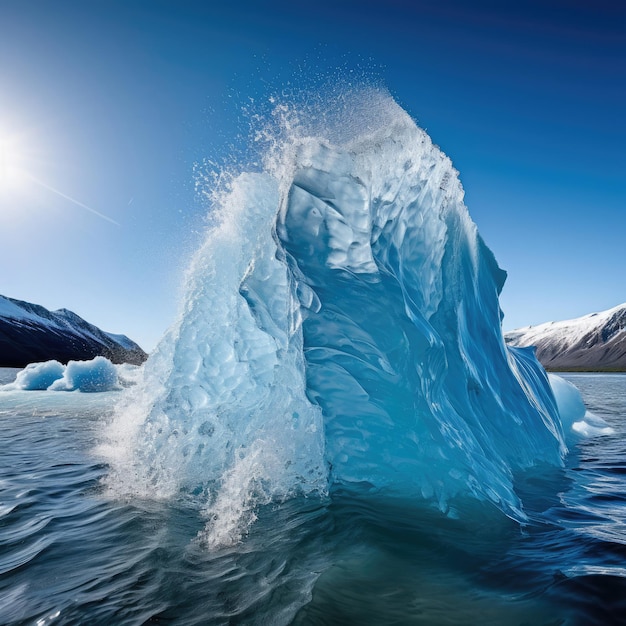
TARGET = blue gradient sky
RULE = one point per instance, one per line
(113, 102)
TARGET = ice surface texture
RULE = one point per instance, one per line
(403, 344)
(340, 331)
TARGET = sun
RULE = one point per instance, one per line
(12, 172)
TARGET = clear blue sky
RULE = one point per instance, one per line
(112, 102)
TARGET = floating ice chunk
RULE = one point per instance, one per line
(99, 374)
(574, 415)
(38, 376)
(592, 426)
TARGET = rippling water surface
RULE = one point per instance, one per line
(69, 554)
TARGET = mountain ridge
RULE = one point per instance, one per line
(593, 342)
(30, 333)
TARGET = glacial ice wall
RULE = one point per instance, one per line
(340, 331)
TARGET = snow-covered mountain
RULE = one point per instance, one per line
(30, 333)
(595, 342)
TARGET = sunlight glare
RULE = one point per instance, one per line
(16, 176)
(12, 173)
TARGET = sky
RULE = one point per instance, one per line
(108, 106)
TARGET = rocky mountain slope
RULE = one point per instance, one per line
(30, 333)
(595, 342)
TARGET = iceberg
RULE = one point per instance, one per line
(340, 333)
(37, 376)
(95, 375)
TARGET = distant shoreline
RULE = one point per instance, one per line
(586, 370)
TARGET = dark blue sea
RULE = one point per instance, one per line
(71, 554)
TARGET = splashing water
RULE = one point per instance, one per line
(340, 331)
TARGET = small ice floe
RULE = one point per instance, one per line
(96, 375)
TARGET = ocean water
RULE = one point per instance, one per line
(71, 554)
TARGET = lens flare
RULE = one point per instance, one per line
(16, 176)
